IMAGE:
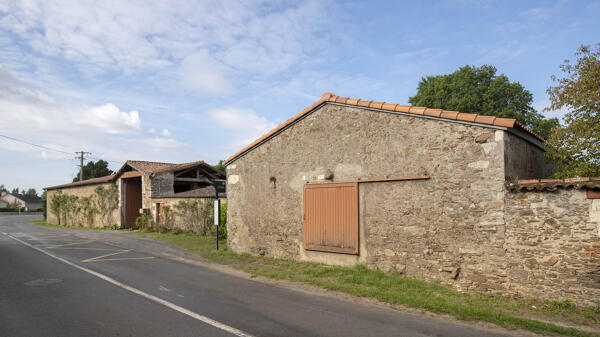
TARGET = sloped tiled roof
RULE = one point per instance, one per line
(92, 181)
(408, 109)
(553, 184)
(148, 167)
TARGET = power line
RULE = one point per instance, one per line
(56, 150)
(36, 145)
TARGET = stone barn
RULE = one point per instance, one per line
(394, 187)
(137, 187)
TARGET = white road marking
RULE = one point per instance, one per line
(153, 298)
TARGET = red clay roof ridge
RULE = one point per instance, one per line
(438, 113)
(424, 111)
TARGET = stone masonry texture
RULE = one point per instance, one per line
(450, 229)
(552, 245)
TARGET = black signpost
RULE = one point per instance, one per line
(217, 207)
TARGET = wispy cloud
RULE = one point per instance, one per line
(244, 125)
(203, 53)
(102, 129)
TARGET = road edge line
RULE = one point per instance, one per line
(136, 291)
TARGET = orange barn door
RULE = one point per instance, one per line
(331, 217)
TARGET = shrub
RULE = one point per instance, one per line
(144, 221)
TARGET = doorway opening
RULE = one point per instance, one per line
(132, 197)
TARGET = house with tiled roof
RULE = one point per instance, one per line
(143, 187)
(420, 191)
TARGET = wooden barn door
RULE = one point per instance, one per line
(331, 217)
(133, 200)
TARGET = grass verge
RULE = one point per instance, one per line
(532, 315)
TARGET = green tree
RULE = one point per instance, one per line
(94, 170)
(575, 146)
(15, 191)
(31, 191)
(479, 90)
(220, 166)
(3, 189)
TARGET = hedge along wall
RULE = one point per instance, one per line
(87, 206)
(552, 245)
(193, 215)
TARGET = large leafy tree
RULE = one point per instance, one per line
(94, 170)
(31, 191)
(479, 90)
(575, 146)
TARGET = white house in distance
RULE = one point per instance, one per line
(29, 202)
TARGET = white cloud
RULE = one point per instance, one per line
(245, 125)
(202, 46)
(111, 120)
(29, 113)
(203, 73)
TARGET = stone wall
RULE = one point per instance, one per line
(82, 191)
(446, 228)
(552, 244)
(461, 227)
(178, 222)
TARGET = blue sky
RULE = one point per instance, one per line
(182, 81)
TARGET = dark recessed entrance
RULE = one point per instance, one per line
(132, 195)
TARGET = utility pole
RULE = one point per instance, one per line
(81, 156)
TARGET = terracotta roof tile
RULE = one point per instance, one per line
(402, 108)
(485, 119)
(92, 181)
(505, 122)
(553, 184)
(364, 103)
(437, 113)
(416, 110)
(449, 114)
(432, 112)
(341, 99)
(466, 117)
(149, 167)
(389, 106)
(376, 105)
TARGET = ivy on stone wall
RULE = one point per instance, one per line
(196, 216)
(192, 215)
(81, 211)
(106, 200)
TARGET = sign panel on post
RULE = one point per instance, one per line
(217, 212)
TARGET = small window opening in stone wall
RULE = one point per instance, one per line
(273, 182)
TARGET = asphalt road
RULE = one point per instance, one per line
(57, 284)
